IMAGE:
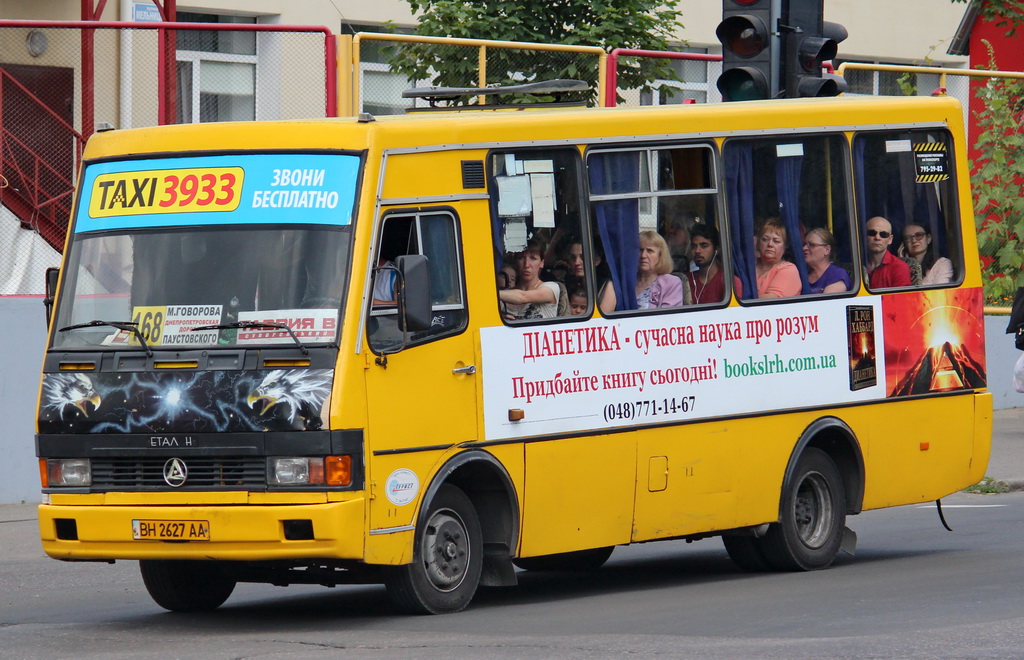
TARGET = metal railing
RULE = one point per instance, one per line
(475, 49)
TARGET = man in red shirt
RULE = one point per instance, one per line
(707, 282)
(885, 270)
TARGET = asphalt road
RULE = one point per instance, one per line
(913, 590)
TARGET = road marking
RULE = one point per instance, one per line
(963, 506)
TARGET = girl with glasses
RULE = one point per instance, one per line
(917, 243)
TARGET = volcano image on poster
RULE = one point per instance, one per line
(934, 341)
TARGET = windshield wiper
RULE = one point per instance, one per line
(127, 326)
(255, 325)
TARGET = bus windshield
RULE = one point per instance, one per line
(209, 250)
(171, 282)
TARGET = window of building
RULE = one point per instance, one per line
(380, 87)
(691, 86)
(216, 70)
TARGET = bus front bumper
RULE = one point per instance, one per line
(332, 530)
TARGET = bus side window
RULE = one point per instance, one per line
(906, 178)
(544, 265)
(646, 204)
(433, 234)
(789, 215)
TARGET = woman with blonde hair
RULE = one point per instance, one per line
(776, 277)
(656, 287)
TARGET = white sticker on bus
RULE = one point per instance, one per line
(402, 487)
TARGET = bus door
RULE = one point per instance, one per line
(425, 394)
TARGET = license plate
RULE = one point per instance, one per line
(171, 530)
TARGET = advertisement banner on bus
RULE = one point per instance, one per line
(295, 188)
(737, 361)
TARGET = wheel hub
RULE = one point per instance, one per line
(445, 551)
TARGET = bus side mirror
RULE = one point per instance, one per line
(52, 275)
(414, 308)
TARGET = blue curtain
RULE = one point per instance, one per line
(618, 221)
(739, 186)
(787, 187)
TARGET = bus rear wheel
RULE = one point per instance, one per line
(186, 586)
(746, 552)
(810, 530)
(447, 561)
(581, 560)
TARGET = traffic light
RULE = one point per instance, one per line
(808, 42)
(750, 49)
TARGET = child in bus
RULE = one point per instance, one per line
(577, 302)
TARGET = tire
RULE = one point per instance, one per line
(186, 586)
(746, 552)
(447, 559)
(581, 560)
(810, 529)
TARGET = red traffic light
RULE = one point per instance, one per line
(743, 34)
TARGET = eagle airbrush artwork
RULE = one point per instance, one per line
(214, 401)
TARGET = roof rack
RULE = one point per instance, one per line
(555, 88)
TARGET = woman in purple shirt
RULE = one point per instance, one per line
(823, 276)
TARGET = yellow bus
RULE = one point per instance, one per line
(425, 350)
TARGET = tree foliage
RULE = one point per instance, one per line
(997, 176)
(1004, 13)
(642, 24)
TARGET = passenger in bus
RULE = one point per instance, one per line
(885, 270)
(707, 282)
(507, 276)
(384, 282)
(577, 301)
(533, 298)
(823, 276)
(677, 236)
(656, 286)
(776, 277)
(918, 244)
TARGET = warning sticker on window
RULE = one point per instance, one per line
(931, 162)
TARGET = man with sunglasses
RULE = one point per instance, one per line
(885, 270)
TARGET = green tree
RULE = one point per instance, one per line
(643, 24)
(997, 176)
(1004, 13)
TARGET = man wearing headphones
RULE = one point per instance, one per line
(707, 282)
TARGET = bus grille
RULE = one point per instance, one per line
(203, 473)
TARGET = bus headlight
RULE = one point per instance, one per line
(295, 471)
(309, 471)
(68, 473)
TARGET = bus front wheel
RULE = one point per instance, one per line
(186, 586)
(447, 560)
(810, 529)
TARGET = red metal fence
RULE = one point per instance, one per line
(59, 78)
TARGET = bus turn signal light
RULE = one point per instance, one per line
(338, 470)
